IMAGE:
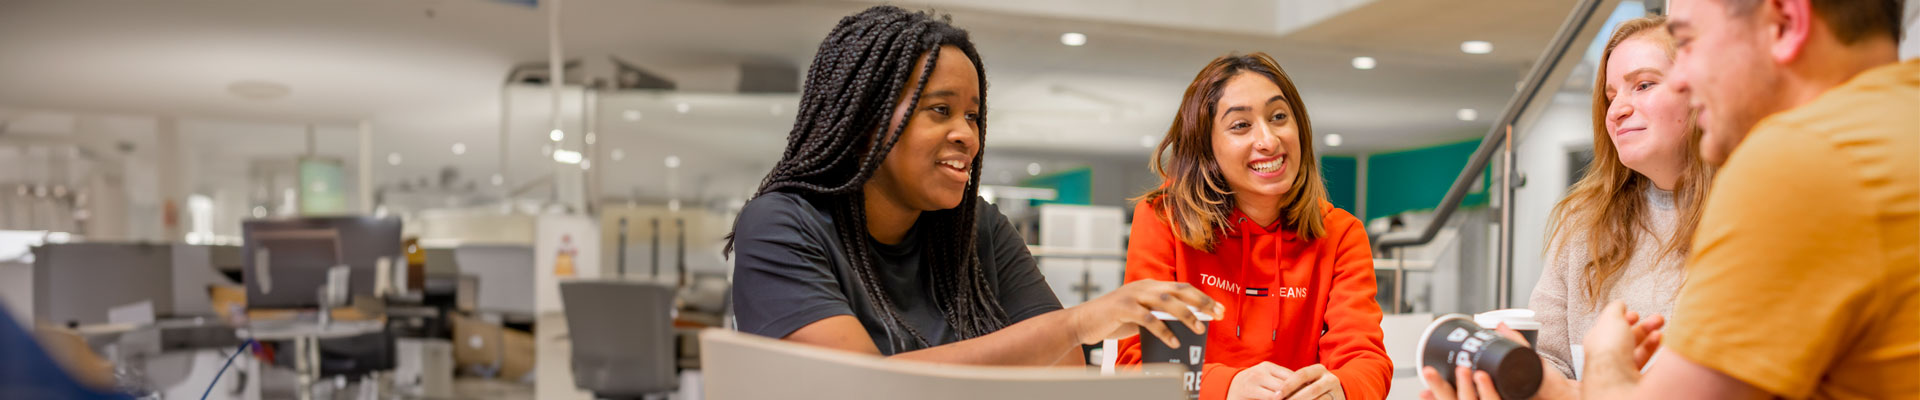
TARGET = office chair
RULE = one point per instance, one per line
(357, 356)
(623, 338)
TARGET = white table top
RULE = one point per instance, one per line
(296, 329)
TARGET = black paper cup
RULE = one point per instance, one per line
(1455, 340)
(1191, 355)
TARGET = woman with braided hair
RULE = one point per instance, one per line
(868, 235)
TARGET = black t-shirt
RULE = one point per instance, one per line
(790, 271)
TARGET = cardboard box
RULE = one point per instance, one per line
(490, 350)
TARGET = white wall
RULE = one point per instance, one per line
(479, 225)
(16, 290)
(122, 164)
(1541, 155)
(705, 230)
(1910, 43)
(193, 272)
(504, 272)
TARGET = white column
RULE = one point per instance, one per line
(565, 182)
(366, 168)
(173, 196)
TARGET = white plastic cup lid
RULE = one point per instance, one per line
(1516, 318)
(1203, 317)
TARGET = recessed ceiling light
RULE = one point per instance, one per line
(619, 154)
(1148, 141)
(1476, 47)
(589, 138)
(556, 135)
(630, 115)
(1467, 114)
(586, 165)
(673, 161)
(393, 158)
(459, 148)
(1333, 140)
(682, 107)
(1363, 63)
(567, 156)
(1033, 169)
(1073, 39)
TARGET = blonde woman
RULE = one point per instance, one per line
(1623, 231)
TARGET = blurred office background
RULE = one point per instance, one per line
(137, 136)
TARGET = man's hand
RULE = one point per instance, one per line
(1617, 346)
(1313, 382)
(1619, 335)
(1259, 382)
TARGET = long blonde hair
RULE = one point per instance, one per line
(1195, 199)
(1609, 204)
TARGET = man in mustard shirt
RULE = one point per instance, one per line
(1804, 281)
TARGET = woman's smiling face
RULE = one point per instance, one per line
(1255, 139)
(929, 167)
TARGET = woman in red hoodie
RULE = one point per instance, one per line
(1243, 216)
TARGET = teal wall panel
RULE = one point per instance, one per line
(1342, 176)
(1418, 179)
(1075, 186)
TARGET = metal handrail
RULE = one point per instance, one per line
(1497, 136)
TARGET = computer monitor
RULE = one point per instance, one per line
(286, 260)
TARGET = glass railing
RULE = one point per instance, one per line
(1469, 260)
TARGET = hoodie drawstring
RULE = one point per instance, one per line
(1240, 303)
(1246, 258)
(1280, 248)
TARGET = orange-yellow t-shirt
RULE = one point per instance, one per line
(1804, 278)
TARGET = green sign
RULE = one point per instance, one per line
(323, 185)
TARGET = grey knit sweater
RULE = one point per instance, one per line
(1647, 284)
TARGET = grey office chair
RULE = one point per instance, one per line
(623, 338)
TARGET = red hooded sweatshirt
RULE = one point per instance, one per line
(1293, 302)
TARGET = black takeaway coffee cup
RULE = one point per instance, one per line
(1192, 353)
(1455, 340)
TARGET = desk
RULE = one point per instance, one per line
(740, 366)
(306, 336)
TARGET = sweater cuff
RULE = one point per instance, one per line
(1562, 367)
(1355, 383)
(1215, 379)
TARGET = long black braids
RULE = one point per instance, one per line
(851, 90)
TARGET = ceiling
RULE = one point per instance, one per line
(427, 73)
